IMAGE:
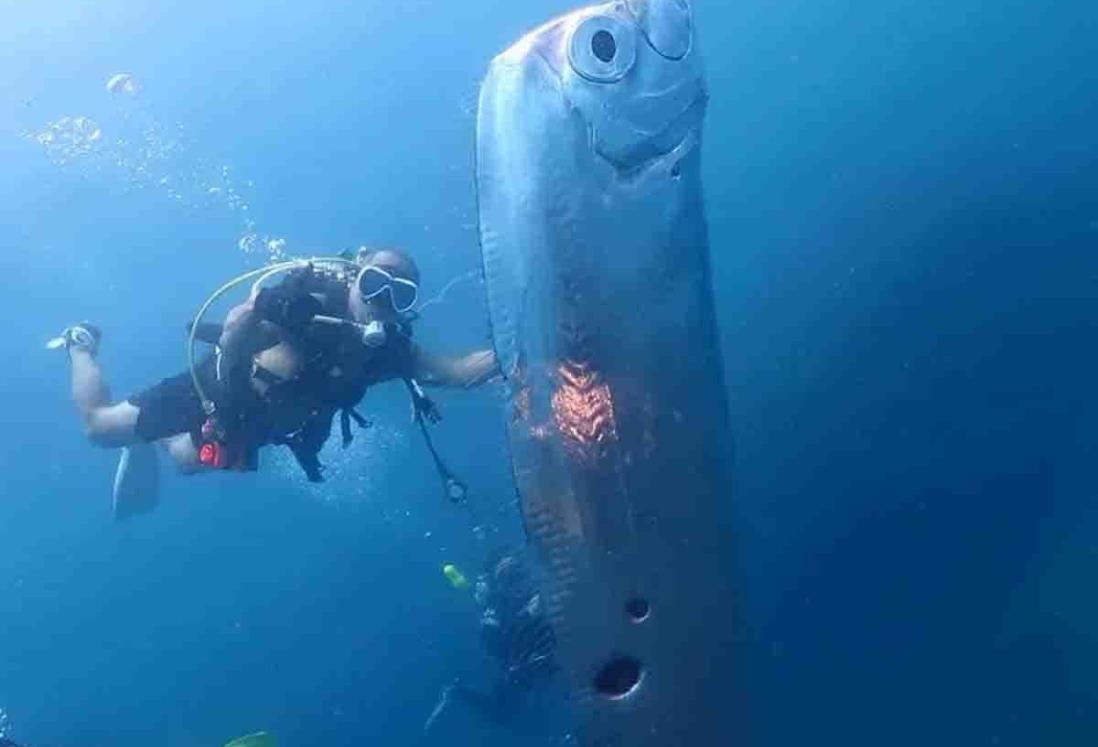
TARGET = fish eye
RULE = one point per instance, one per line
(603, 49)
(604, 46)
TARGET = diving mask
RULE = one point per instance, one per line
(373, 281)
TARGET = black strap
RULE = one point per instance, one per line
(308, 459)
(267, 377)
(455, 490)
(345, 417)
(345, 428)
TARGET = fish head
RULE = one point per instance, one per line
(630, 70)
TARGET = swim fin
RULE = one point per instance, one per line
(136, 482)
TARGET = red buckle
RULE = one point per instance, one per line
(212, 454)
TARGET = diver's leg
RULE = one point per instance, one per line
(105, 424)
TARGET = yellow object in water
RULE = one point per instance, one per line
(457, 580)
(260, 739)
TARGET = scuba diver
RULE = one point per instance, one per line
(284, 363)
(516, 634)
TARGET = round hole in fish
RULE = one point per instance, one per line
(638, 609)
(618, 677)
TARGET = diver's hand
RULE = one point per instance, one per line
(430, 410)
(287, 309)
(84, 337)
(426, 409)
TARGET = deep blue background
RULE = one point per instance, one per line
(904, 219)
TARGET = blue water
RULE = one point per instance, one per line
(904, 215)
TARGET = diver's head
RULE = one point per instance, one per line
(385, 287)
(508, 575)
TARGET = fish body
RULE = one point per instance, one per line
(597, 270)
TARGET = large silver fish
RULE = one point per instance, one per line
(596, 261)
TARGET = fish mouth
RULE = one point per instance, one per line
(651, 150)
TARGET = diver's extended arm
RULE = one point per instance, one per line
(467, 372)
